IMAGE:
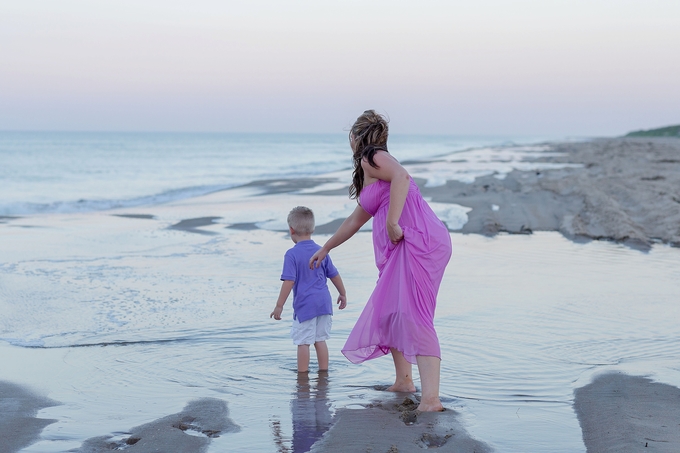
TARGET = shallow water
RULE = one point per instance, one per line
(124, 321)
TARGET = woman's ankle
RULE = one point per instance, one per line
(430, 404)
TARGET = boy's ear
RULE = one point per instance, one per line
(292, 231)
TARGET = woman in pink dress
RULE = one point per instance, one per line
(412, 248)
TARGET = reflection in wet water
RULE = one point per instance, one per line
(310, 410)
(311, 415)
(168, 317)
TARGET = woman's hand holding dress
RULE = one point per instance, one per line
(391, 171)
(395, 232)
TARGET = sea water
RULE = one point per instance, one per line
(122, 319)
(44, 172)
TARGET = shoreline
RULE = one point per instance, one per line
(614, 196)
(616, 412)
(624, 190)
(627, 190)
(394, 426)
(619, 412)
(204, 418)
(19, 424)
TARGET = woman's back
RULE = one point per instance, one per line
(426, 233)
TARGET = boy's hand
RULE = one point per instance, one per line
(276, 314)
(342, 302)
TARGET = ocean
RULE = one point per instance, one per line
(65, 172)
(138, 271)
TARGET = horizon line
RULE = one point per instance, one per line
(191, 132)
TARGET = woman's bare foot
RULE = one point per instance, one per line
(433, 405)
(406, 386)
(403, 380)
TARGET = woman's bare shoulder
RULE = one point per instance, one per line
(387, 168)
(379, 157)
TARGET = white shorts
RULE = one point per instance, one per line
(312, 330)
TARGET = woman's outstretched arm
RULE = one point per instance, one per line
(391, 171)
(348, 228)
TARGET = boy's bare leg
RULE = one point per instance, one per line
(428, 368)
(322, 355)
(303, 358)
(404, 379)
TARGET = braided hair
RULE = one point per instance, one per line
(368, 135)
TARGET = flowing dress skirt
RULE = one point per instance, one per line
(400, 312)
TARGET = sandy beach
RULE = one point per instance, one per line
(624, 190)
(19, 426)
(187, 431)
(619, 190)
(394, 426)
(628, 413)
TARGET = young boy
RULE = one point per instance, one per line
(312, 303)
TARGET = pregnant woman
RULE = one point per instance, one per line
(412, 248)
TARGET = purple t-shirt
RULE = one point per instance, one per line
(311, 297)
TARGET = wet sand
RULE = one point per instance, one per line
(19, 426)
(193, 225)
(620, 413)
(627, 190)
(187, 431)
(394, 426)
(617, 413)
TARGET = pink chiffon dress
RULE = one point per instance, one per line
(400, 312)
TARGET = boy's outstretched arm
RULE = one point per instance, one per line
(286, 288)
(342, 298)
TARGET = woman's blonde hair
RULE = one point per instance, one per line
(367, 136)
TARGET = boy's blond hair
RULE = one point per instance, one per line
(301, 220)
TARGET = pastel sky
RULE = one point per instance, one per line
(551, 67)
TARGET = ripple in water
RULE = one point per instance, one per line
(131, 336)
